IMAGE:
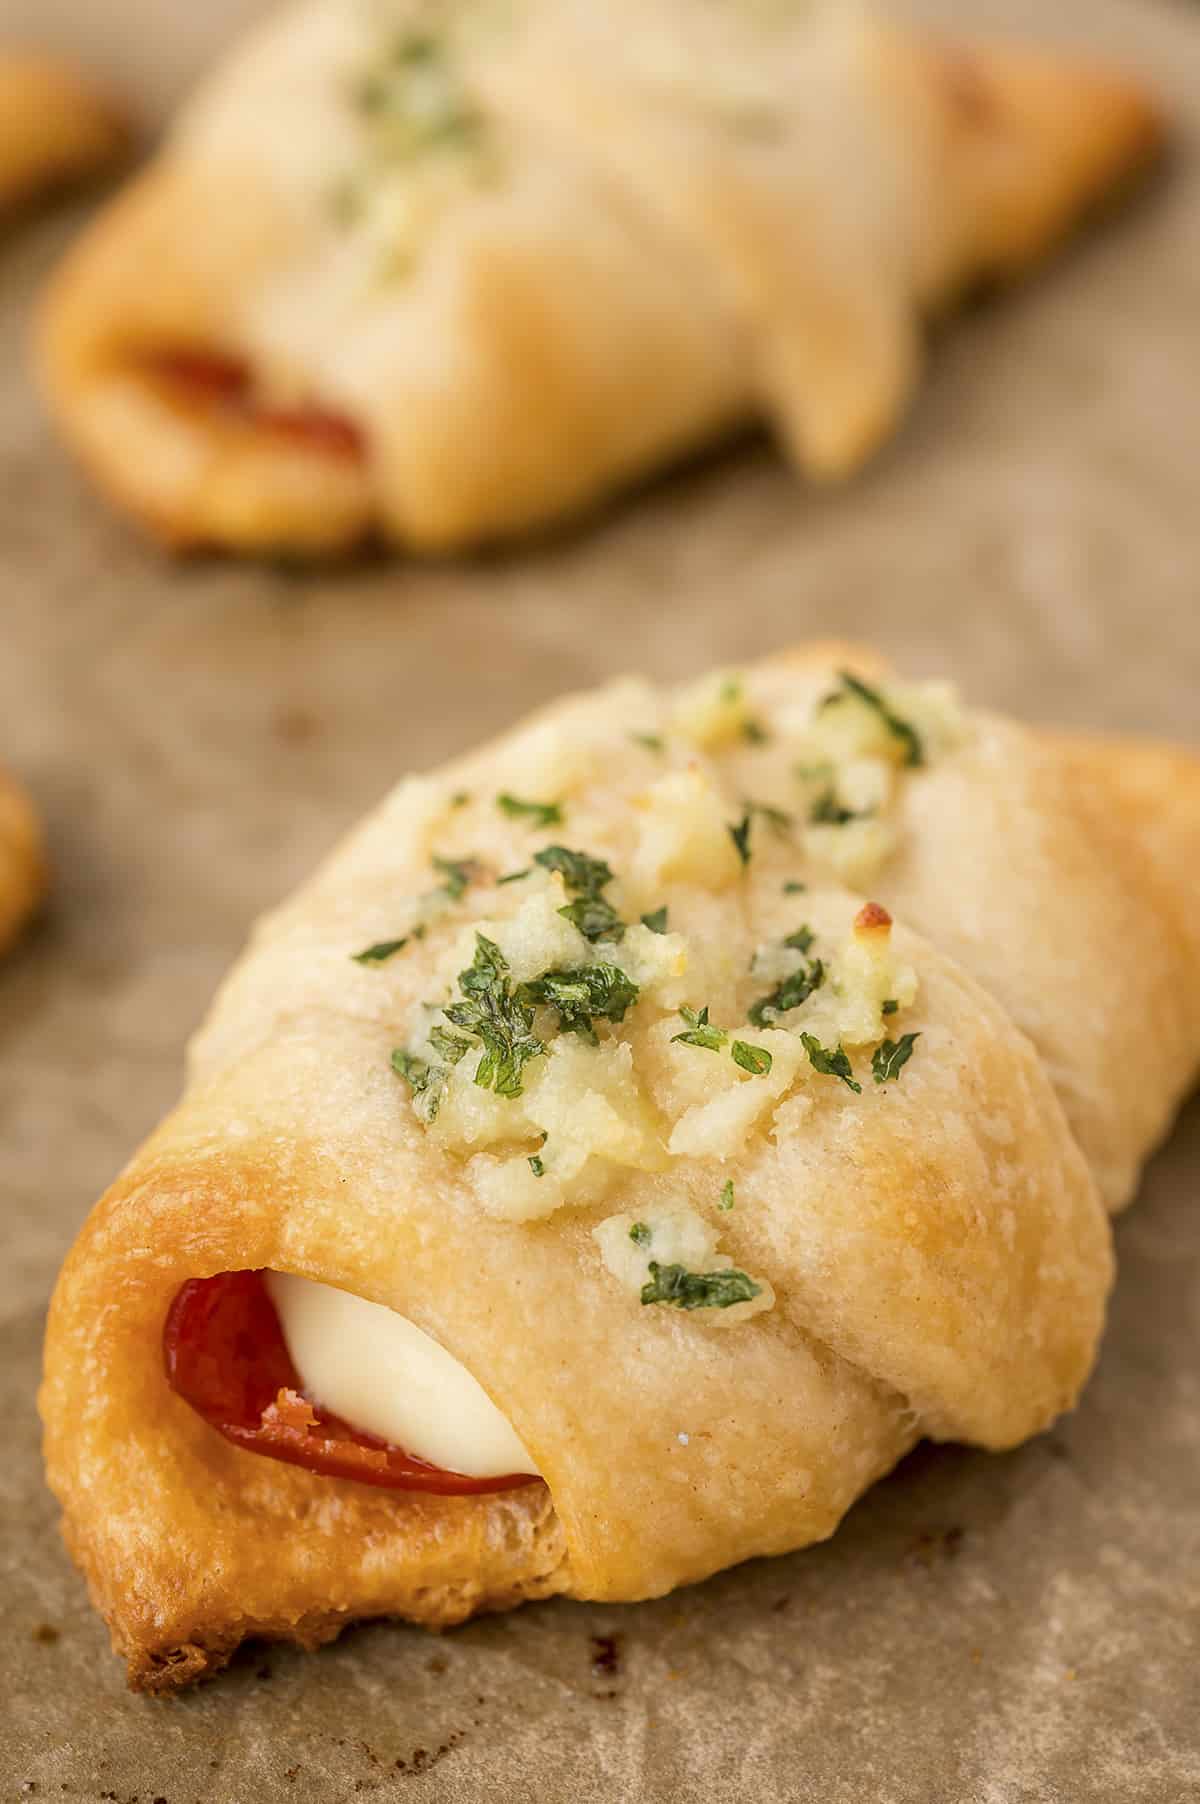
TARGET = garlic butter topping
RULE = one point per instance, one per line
(635, 963)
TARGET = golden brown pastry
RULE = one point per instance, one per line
(447, 272)
(22, 860)
(54, 128)
(645, 1128)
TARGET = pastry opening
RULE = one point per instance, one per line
(272, 1361)
(212, 382)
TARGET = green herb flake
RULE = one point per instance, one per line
(539, 814)
(514, 876)
(754, 1059)
(536, 1166)
(457, 874)
(726, 1201)
(451, 1046)
(681, 1289)
(753, 732)
(380, 951)
(740, 835)
(653, 742)
(579, 872)
(490, 1013)
(423, 1079)
(827, 811)
(801, 940)
(414, 100)
(700, 1031)
(640, 1234)
(889, 1007)
(778, 819)
(796, 988)
(595, 918)
(583, 995)
(834, 1063)
(899, 728)
(891, 1056)
(590, 912)
(793, 888)
(657, 921)
(459, 799)
(731, 691)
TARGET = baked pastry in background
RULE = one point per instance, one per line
(22, 860)
(447, 273)
(54, 127)
(634, 1138)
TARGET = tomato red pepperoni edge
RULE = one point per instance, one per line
(209, 380)
(225, 1355)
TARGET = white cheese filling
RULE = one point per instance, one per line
(382, 1374)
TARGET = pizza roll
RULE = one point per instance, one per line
(22, 860)
(53, 128)
(635, 1137)
(448, 273)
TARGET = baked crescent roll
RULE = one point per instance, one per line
(22, 860)
(587, 1182)
(53, 128)
(447, 272)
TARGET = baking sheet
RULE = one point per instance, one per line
(983, 1630)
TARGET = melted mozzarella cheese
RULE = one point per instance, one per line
(383, 1375)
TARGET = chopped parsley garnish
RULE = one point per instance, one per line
(700, 1032)
(740, 835)
(423, 1079)
(581, 996)
(415, 99)
(590, 912)
(753, 731)
(381, 950)
(577, 870)
(514, 876)
(458, 874)
(801, 940)
(536, 1166)
(833, 1063)
(595, 918)
(890, 1057)
(726, 1201)
(657, 921)
(793, 888)
(754, 1059)
(827, 811)
(889, 1007)
(653, 742)
(796, 988)
(451, 1046)
(778, 819)
(899, 728)
(459, 799)
(492, 1014)
(539, 814)
(640, 1234)
(681, 1289)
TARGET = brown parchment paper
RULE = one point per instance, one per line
(982, 1630)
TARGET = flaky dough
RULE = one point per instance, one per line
(937, 1246)
(22, 860)
(54, 128)
(629, 229)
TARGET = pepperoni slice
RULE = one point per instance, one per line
(225, 1355)
(209, 379)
